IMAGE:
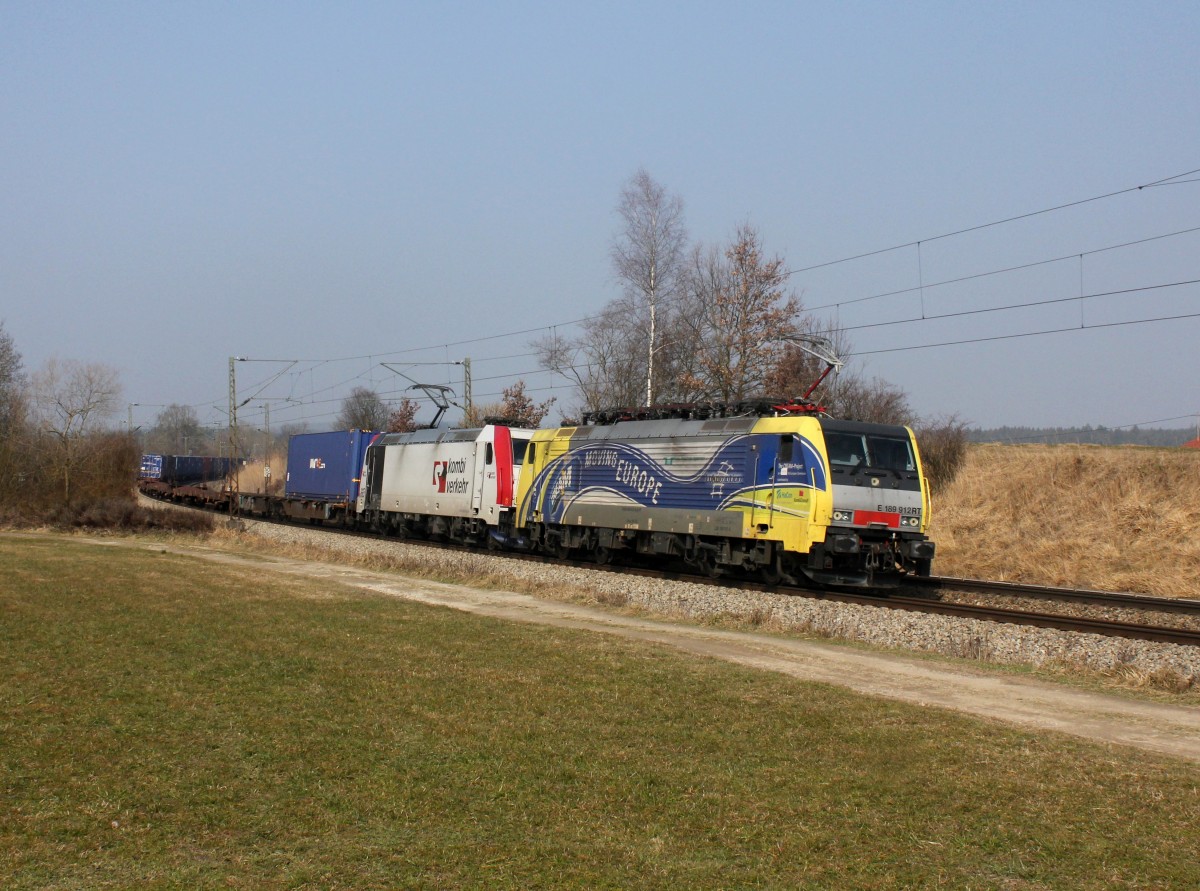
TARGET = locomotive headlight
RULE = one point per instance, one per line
(910, 521)
(842, 516)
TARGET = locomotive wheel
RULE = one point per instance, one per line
(706, 564)
(602, 555)
(770, 573)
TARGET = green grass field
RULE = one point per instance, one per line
(167, 724)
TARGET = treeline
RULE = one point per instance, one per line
(55, 450)
(1088, 435)
(60, 461)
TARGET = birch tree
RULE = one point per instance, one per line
(647, 256)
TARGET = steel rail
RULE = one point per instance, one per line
(1050, 592)
(1156, 633)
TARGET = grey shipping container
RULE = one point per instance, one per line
(326, 466)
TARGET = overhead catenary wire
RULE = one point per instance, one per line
(1167, 180)
(1027, 305)
(995, 337)
(991, 272)
(899, 349)
(922, 287)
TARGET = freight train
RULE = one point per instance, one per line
(775, 490)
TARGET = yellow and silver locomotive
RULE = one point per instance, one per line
(790, 495)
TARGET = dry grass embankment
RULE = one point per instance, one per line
(1121, 518)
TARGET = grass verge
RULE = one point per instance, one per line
(1161, 686)
(169, 724)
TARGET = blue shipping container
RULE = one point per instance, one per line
(184, 470)
(326, 466)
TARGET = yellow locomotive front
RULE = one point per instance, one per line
(868, 522)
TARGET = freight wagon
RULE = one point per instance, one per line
(323, 471)
(184, 470)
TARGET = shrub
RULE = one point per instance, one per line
(123, 515)
(943, 445)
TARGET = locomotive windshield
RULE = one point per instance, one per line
(870, 450)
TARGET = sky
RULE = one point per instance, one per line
(364, 194)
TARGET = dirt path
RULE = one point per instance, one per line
(1167, 729)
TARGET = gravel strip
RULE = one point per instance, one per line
(1175, 666)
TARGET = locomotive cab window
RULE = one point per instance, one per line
(487, 454)
(518, 448)
(846, 449)
(871, 450)
(785, 448)
(891, 453)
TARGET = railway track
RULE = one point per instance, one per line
(1071, 595)
(934, 598)
(1033, 618)
(1030, 618)
(1078, 624)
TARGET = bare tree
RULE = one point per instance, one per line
(12, 385)
(71, 401)
(13, 405)
(177, 429)
(363, 410)
(607, 363)
(943, 445)
(624, 356)
(473, 417)
(741, 316)
(647, 256)
(875, 400)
